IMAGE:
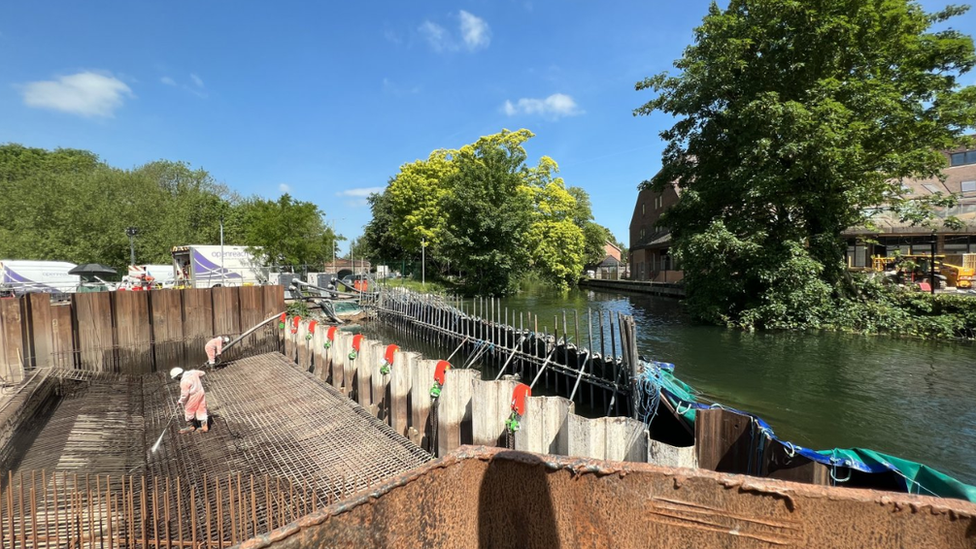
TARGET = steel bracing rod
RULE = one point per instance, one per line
(544, 364)
(458, 349)
(515, 349)
(580, 375)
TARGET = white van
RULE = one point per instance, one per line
(20, 277)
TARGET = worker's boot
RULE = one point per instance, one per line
(188, 429)
(204, 426)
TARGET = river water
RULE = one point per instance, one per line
(906, 397)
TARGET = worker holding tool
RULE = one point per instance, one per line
(192, 398)
(214, 346)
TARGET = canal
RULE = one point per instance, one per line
(906, 397)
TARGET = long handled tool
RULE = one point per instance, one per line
(161, 435)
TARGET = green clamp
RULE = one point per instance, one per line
(328, 344)
(512, 423)
(435, 391)
(385, 369)
(308, 337)
(353, 355)
(281, 325)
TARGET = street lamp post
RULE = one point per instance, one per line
(131, 232)
(423, 262)
(223, 281)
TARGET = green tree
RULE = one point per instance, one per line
(792, 118)
(287, 232)
(489, 213)
(416, 199)
(555, 242)
(379, 240)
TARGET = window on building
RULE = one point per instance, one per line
(969, 186)
(961, 158)
(932, 188)
(642, 208)
(642, 233)
(960, 244)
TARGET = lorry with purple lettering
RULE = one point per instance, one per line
(213, 266)
(19, 277)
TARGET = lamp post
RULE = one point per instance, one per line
(423, 262)
(932, 264)
(223, 282)
(131, 232)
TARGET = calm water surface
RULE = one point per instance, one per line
(909, 398)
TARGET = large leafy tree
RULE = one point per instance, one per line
(489, 213)
(379, 240)
(416, 199)
(287, 232)
(555, 241)
(792, 118)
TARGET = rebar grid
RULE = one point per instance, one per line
(281, 443)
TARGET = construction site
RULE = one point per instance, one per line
(320, 437)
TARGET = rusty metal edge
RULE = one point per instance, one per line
(582, 466)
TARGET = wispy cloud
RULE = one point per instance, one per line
(361, 192)
(196, 80)
(168, 81)
(436, 36)
(555, 106)
(284, 188)
(475, 31)
(356, 198)
(89, 94)
(392, 36)
(473, 34)
(392, 87)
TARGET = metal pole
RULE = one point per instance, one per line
(423, 262)
(932, 266)
(222, 277)
(132, 232)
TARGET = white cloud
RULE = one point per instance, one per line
(475, 31)
(474, 34)
(555, 106)
(436, 36)
(196, 80)
(168, 81)
(85, 93)
(284, 188)
(361, 192)
(392, 87)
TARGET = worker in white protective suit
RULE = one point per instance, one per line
(214, 348)
(193, 399)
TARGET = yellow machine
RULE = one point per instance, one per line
(916, 266)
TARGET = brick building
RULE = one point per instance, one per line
(649, 245)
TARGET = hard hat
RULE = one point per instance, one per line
(226, 339)
(175, 373)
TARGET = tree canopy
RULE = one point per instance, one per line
(483, 211)
(792, 117)
(68, 205)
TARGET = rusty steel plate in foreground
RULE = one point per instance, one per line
(480, 497)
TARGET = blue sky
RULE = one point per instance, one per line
(327, 100)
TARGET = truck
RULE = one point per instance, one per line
(201, 266)
(19, 277)
(150, 276)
